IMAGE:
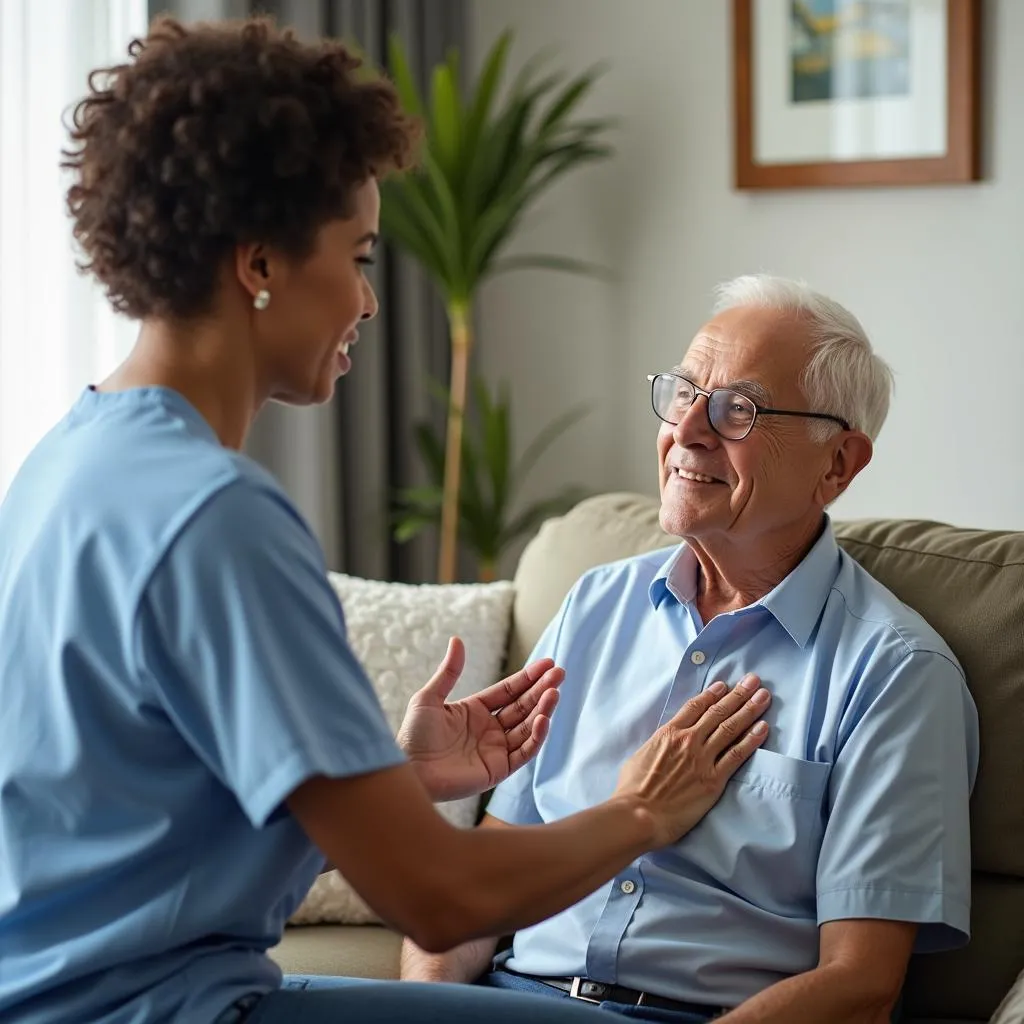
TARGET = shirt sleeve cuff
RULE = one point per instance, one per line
(299, 766)
(513, 808)
(945, 921)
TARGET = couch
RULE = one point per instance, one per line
(969, 584)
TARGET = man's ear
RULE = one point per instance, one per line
(253, 267)
(851, 452)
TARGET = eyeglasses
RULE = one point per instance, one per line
(731, 414)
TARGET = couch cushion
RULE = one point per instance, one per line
(969, 585)
(598, 530)
(970, 982)
(345, 950)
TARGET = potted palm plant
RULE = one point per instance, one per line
(486, 160)
(490, 519)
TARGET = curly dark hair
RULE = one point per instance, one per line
(216, 135)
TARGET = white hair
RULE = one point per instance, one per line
(843, 376)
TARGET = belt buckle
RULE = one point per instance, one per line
(574, 992)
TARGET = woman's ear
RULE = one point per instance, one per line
(253, 268)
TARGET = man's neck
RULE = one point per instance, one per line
(206, 364)
(735, 575)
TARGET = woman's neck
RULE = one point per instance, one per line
(206, 364)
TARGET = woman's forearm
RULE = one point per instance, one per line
(443, 886)
(501, 879)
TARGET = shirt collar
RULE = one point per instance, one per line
(796, 602)
(676, 578)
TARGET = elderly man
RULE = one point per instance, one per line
(843, 844)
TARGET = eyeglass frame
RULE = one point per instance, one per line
(759, 410)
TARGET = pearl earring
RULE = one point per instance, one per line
(262, 300)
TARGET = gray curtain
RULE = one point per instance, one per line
(341, 464)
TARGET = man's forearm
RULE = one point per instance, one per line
(461, 965)
(827, 995)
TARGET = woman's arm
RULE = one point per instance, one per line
(441, 885)
(461, 965)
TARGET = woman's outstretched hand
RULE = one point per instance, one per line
(465, 747)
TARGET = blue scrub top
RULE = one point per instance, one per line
(173, 664)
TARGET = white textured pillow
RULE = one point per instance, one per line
(1011, 1009)
(400, 631)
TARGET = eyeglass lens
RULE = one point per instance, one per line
(731, 413)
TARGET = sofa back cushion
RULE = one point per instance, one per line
(969, 585)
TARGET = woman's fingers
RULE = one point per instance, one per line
(536, 729)
(517, 704)
(443, 681)
(506, 691)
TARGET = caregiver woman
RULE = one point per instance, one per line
(185, 734)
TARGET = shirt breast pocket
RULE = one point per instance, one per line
(761, 840)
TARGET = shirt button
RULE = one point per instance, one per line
(628, 887)
(697, 657)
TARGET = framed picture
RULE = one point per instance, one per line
(856, 92)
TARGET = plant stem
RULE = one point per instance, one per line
(462, 341)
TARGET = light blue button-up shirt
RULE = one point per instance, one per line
(855, 807)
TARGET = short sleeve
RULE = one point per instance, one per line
(897, 840)
(240, 639)
(513, 800)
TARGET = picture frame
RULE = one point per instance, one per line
(856, 92)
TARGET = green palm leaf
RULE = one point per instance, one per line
(486, 160)
(490, 77)
(445, 117)
(401, 75)
(571, 96)
(411, 526)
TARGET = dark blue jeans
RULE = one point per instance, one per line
(324, 1000)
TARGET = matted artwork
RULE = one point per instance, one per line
(855, 92)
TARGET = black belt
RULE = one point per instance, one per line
(598, 992)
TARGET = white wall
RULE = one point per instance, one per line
(936, 274)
